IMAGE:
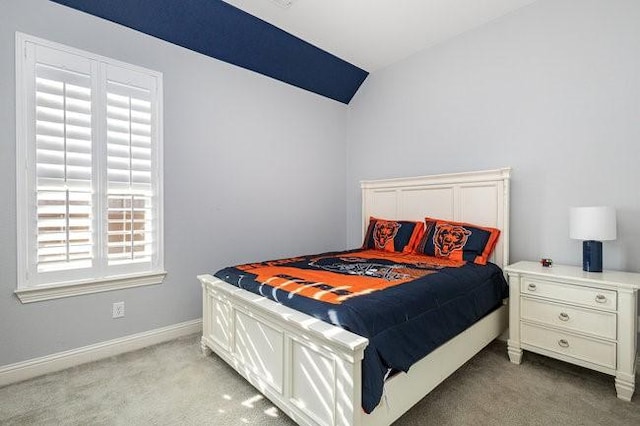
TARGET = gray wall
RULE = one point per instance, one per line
(552, 90)
(254, 169)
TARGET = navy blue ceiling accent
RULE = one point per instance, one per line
(217, 29)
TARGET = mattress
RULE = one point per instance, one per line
(405, 304)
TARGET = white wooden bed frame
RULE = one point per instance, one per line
(311, 369)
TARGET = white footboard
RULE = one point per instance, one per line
(308, 368)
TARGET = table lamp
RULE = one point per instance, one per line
(592, 225)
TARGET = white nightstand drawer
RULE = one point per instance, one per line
(590, 350)
(598, 323)
(585, 296)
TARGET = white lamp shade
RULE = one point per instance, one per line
(592, 223)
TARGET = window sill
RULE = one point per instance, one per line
(57, 291)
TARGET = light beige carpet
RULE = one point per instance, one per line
(173, 384)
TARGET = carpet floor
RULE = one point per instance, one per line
(174, 384)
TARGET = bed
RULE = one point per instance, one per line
(311, 369)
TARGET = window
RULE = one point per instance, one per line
(89, 181)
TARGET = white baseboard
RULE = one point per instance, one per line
(24, 370)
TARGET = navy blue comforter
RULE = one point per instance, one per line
(406, 305)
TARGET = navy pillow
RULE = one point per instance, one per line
(457, 241)
(398, 236)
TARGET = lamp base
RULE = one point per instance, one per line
(592, 256)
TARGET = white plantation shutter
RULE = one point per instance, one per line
(88, 154)
(63, 168)
(130, 168)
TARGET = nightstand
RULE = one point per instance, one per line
(585, 318)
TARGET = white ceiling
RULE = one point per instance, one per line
(372, 34)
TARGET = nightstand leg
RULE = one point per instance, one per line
(513, 344)
(515, 354)
(625, 386)
(626, 350)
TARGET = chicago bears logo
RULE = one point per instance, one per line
(449, 238)
(383, 232)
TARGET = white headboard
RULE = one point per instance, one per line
(480, 198)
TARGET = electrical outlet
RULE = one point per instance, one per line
(118, 310)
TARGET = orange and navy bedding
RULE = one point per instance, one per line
(405, 304)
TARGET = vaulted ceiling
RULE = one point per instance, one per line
(372, 34)
(324, 46)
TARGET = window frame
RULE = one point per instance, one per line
(28, 289)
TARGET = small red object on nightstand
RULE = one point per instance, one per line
(546, 262)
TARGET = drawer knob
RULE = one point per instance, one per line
(563, 343)
(601, 298)
(563, 316)
(532, 287)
